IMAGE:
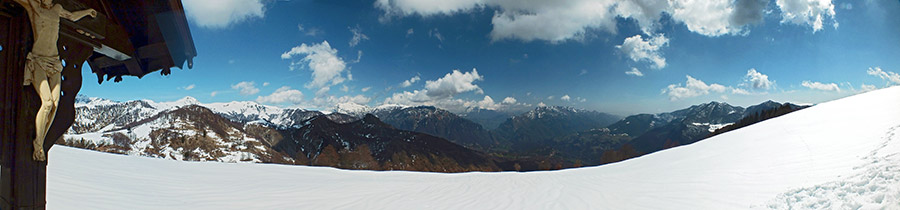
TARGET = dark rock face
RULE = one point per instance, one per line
(536, 129)
(490, 119)
(636, 125)
(371, 144)
(440, 123)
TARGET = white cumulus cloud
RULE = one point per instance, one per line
(282, 95)
(645, 50)
(553, 21)
(821, 86)
(807, 12)
(691, 88)
(565, 98)
(442, 91)
(322, 60)
(189, 87)
(509, 100)
(410, 81)
(557, 21)
(757, 80)
(222, 13)
(454, 83)
(245, 88)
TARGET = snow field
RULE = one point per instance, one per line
(836, 155)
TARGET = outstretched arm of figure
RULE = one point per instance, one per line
(77, 15)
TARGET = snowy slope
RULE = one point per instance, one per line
(836, 155)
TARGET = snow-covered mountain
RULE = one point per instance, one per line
(359, 111)
(653, 132)
(185, 132)
(703, 116)
(249, 132)
(97, 114)
(843, 154)
(185, 129)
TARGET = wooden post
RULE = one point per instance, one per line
(24, 181)
(13, 36)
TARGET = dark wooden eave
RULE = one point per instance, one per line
(133, 37)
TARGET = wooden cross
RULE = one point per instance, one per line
(127, 38)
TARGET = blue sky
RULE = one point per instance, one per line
(515, 55)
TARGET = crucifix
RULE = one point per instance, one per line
(43, 66)
(45, 44)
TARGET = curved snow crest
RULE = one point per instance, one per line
(810, 152)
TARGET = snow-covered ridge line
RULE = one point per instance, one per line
(358, 110)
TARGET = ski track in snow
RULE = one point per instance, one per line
(836, 155)
(876, 187)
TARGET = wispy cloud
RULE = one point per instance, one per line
(635, 72)
(246, 88)
(821, 86)
(892, 78)
(358, 36)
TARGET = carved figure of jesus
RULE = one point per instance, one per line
(43, 66)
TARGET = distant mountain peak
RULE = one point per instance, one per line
(187, 100)
(551, 111)
(351, 108)
(715, 104)
(84, 100)
(359, 110)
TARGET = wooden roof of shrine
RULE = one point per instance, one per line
(133, 37)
